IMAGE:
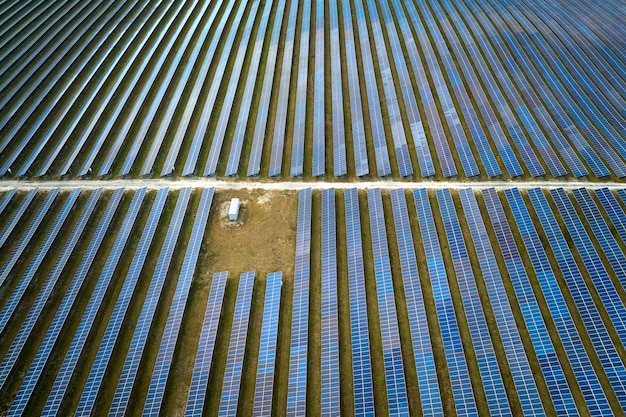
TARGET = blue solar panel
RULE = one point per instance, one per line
(73, 65)
(10, 358)
(455, 357)
(356, 111)
(210, 167)
(140, 336)
(237, 347)
(278, 138)
(207, 108)
(105, 97)
(403, 158)
(376, 119)
(319, 125)
(80, 336)
(18, 291)
(392, 350)
(258, 138)
(175, 315)
(116, 47)
(493, 384)
(339, 140)
(615, 212)
(43, 353)
(248, 93)
(19, 248)
(6, 199)
(204, 357)
(296, 397)
(422, 347)
(583, 370)
(297, 140)
(331, 404)
(264, 385)
(158, 99)
(361, 358)
(589, 313)
(16, 216)
(194, 96)
(509, 334)
(609, 245)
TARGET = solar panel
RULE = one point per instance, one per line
(422, 348)
(177, 308)
(398, 402)
(207, 108)
(264, 385)
(356, 111)
(11, 356)
(521, 372)
(117, 46)
(493, 384)
(18, 291)
(201, 79)
(54, 329)
(463, 395)
(19, 248)
(376, 120)
(56, 86)
(554, 377)
(585, 375)
(609, 245)
(17, 215)
(331, 404)
(403, 158)
(258, 138)
(233, 84)
(191, 27)
(615, 212)
(319, 125)
(77, 344)
(140, 336)
(299, 116)
(361, 358)
(339, 139)
(246, 99)
(105, 99)
(204, 357)
(6, 199)
(237, 347)
(296, 397)
(133, 106)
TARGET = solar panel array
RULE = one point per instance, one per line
(361, 353)
(177, 307)
(266, 367)
(84, 91)
(206, 346)
(392, 350)
(296, 398)
(331, 404)
(237, 347)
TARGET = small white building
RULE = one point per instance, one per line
(233, 212)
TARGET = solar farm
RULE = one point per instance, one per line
(432, 213)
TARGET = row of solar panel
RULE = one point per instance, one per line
(168, 85)
(574, 249)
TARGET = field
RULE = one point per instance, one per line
(432, 221)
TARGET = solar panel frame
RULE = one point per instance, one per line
(163, 363)
(237, 347)
(206, 344)
(36, 368)
(264, 384)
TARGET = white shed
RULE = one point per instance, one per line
(233, 212)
